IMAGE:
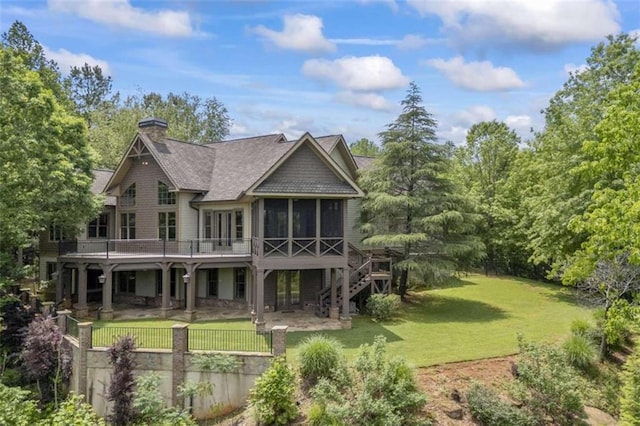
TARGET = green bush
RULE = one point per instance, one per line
(273, 396)
(579, 351)
(488, 408)
(383, 307)
(581, 328)
(630, 398)
(319, 356)
(74, 411)
(548, 385)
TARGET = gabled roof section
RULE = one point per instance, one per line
(363, 162)
(240, 163)
(187, 166)
(306, 168)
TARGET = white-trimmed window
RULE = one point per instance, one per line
(167, 225)
(59, 233)
(99, 227)
(128, 197)
(165, 197)
(128, 226)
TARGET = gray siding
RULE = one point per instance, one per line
(146, 178)
(305, 172)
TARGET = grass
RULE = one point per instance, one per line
(477, 317)
(474, 318)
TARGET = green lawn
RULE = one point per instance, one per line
(476, 318)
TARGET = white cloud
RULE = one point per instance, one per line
(121, 13)
(477, 76)
(408, 42)
(541, 24)
(66, 60)
(473, 115)
(522, 124)
(367, 100)
(573, 68)
(391, 3)
(364, 73)
(301, 33)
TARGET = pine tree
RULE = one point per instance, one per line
(411, 204)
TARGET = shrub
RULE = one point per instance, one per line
(120, 390)
(579, 351)
(16, 408)
(273, 395)
(319, 356)
(74, 411)
(630, 398)
(150, 407)
(581, 328)
(489, 409)
(383, 307)
(548, 386)
(46, 357)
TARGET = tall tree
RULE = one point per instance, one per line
(45, 173)
(410, 202)
(565, 179)
(190, 118)
(21, 41)
(484, 167)
(88, 88)
(364, 147)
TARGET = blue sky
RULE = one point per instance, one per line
(333, 67)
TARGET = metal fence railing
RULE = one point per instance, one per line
(230, 340)
(144, 337)
(71, 325)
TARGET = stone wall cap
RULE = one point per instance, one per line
(279, 328)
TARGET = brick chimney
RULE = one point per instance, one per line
(155, 128)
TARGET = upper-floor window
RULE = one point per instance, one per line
(167, 225)
(128, 197)
(99, 227)
(164, 195)
(59, 233)
(128, 226)
(239, 225)
(304, 218)
(223, 226)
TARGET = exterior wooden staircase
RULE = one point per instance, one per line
(366, 272)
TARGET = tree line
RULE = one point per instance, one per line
(552, 207)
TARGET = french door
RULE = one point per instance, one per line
(288, 290)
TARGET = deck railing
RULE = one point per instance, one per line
(190, 248)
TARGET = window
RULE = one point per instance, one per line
(240, 282)
(167, 225)
(304, 218)
(239, 225)
(164, 195)
(208, 224)
(128, 197)
(128, 226)
(58, 233)
(52, 268)
(98, 227)
(212, 282)
(276, 212)
(331, 219)
(127, 282)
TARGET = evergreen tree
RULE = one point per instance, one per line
(411, 204)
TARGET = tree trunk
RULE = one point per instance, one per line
(402, 287)
(603, 339)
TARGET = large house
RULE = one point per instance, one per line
(261, 224)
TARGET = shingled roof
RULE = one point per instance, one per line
(100, 179)
(224, 171)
